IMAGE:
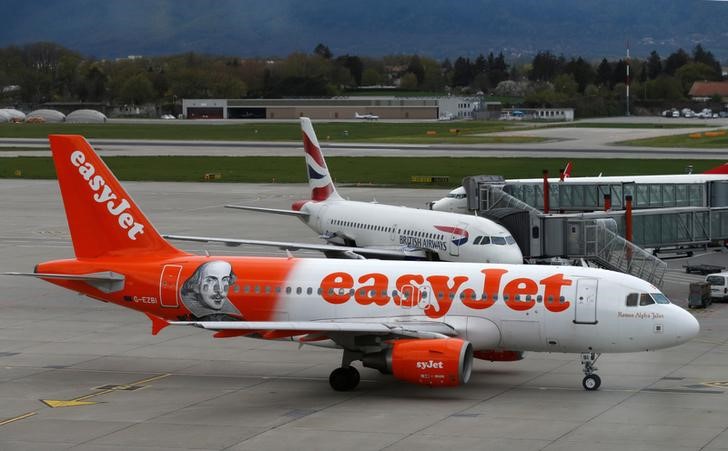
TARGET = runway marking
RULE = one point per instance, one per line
(18, 418)
(81, 400)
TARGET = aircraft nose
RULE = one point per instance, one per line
(688, 327)
(511, 254)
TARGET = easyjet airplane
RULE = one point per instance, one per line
(364, 230)
(456, 201)
(423, 322)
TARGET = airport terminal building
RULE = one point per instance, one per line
(331, 109)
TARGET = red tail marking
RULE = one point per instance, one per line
(567, 170)
(320, 194)
(722, 169)
(313, 151)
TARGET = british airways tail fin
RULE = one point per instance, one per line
(103, 219)
(722, 169)
(319, 179)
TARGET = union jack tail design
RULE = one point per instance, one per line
(319, 180)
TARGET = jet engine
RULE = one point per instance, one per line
(440, 362)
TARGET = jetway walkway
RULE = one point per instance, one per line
(572, 236)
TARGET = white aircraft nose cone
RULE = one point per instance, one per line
(688, 328)
(513, 255)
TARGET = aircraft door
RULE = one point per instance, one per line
(586, 301)
(168, 286)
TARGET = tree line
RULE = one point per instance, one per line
(43, 72)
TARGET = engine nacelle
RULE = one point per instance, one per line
(440, 362)
(499, 355)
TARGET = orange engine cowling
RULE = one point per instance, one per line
(499, 355)
(440, 362)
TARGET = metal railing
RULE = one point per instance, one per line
(611, 251)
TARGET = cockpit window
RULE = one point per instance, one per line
(632, 299)
(660, 298)
(646, 299)
(477, 240)
(499, 240)
(510, 240)
(485, 240)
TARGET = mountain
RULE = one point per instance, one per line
(590, 28)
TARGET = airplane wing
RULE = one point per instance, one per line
(276, 211)
(412, 329)
(330, 250)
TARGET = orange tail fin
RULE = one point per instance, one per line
(102, 217)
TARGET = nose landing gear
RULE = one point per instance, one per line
(591, 380)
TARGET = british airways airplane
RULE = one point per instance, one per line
(355, 229)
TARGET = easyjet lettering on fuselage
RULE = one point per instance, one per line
(406, 290)
(103, 193)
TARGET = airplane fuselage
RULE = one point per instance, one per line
(387, 226)
(520, 307)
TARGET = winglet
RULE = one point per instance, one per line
(157, 323)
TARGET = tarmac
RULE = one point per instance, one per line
(80, 374)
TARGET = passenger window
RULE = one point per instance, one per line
(309, 291)
(299, 290)
(288, 290)
(632, 299)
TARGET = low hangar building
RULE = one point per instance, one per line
(331, 109)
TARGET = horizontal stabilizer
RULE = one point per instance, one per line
(275, 211)
(106, 281)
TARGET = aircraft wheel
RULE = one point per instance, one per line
(344, 379)
(591, 382)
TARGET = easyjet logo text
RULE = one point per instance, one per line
(430, 364)
(518, 294)
(104, 195)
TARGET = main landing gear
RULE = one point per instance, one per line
(591, 380)
(347, 377)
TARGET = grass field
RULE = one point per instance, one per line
(701, 142)
(392, 171)
(376, 132)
